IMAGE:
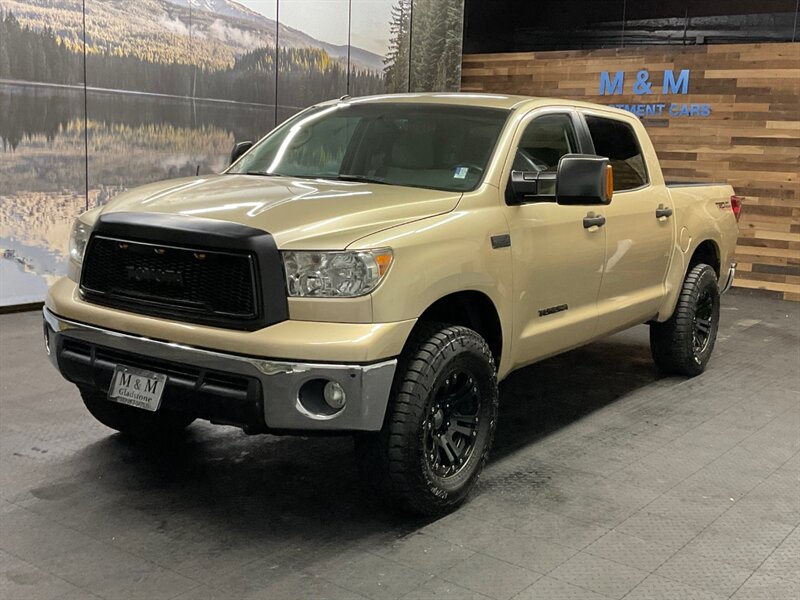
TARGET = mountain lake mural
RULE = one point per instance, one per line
(169, 86)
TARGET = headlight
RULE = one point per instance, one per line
(335, 274)
(78, 240)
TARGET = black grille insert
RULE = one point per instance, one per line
(198, 285)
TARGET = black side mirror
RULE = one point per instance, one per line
(239, 148)
(531, 186)
(584, 179)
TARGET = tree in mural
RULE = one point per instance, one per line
(35, 55)
(307, 73)
(396, 70)
(426, 34)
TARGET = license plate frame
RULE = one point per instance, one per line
(136, 387)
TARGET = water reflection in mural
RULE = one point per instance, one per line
(133, 140)
(42, 159)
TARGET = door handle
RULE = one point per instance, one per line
(593, 220)
(663, 212)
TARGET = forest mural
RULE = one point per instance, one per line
(163, 88)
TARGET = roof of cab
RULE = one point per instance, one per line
(451, 98)
(501, 101)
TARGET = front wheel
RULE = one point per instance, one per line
(440, 422)
(683, 344)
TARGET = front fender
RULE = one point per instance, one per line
(443, 255)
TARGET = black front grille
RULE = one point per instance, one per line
(198, 285)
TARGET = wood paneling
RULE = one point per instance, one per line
(751, 138)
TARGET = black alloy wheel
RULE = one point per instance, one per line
(682, 345)
(439, 424)
(451, 426)
(703, 322)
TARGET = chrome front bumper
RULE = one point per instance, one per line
(285, 406)
(729, 279)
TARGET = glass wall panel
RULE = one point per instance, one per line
(436, 39)
(379, 46)
(233, 92)
(140, 73)
(42, 159)
(170, 92)
(312, 53)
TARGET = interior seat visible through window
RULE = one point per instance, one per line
(617, 141)
(544, 142)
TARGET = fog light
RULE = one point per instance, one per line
(334, 395)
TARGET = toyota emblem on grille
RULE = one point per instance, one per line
(165, 276)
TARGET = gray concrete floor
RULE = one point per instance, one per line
(606, 482)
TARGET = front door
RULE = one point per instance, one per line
(557, 260)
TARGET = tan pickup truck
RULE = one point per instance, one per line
(375, 266)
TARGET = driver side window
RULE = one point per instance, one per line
(545, 140)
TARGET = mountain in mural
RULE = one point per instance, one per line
(213, 36)
(290, 37)
(227, 8)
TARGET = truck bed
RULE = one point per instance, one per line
(677, 184)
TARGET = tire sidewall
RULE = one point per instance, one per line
(468, 350)
(707, 280)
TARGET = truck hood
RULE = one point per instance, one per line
(311, 214)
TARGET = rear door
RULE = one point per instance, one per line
(557, 261)
(639, 228)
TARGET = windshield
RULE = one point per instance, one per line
(443, 147)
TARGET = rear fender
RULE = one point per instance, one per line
(704, 215)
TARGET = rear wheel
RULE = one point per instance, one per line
(683, 344)
(440, 422)
(135, 422)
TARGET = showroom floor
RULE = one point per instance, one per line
(605, 482)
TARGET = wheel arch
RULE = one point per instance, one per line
(473, 309)
(707, 251)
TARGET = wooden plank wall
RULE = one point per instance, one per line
(751, 139)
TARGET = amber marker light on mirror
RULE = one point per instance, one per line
(609, 182)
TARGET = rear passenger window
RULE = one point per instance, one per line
(617, 141)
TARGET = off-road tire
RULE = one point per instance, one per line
(135, 422)
(673, 343)
(394, 461)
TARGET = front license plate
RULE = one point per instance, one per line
(137, 387)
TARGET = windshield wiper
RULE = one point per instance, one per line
(259, 173)
(358, 178)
